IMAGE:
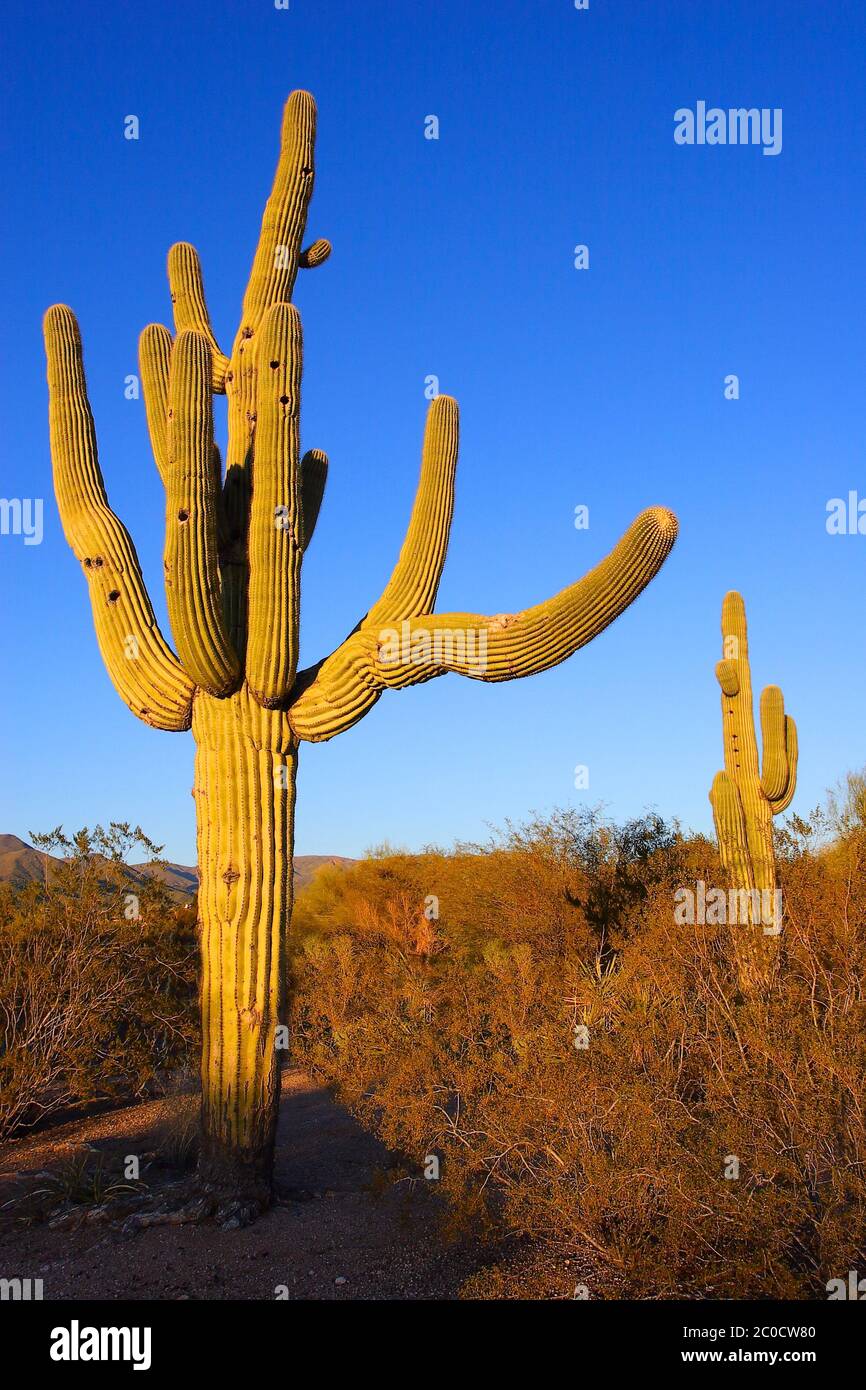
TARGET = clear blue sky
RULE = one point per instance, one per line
(455, 257)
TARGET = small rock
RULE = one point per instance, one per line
(341, 1279)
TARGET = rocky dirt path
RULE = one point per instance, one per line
(347, 1230)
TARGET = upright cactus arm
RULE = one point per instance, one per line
(144, 670)
(275, 266)
(186, 286)
(278, 254)
(276, 525)
(413, 586)
(779, 739)
(154, 357)
(399, 642)
(192, 576)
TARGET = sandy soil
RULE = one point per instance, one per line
(346, 1228)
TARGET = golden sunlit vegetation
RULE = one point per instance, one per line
(531, 1014)
(98, 980)
(585, 1068)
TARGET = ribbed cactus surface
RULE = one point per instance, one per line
(746, 796)
(235, 541)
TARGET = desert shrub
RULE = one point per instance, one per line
(699, 1143)
(97, 980)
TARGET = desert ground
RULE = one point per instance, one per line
(344, 1227)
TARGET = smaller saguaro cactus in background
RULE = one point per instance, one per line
(745, 799)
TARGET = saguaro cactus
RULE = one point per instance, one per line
(744, 799)
(233, 555)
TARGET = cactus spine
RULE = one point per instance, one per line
(744, 799)
(235, 540)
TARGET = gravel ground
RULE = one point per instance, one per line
(347, 1227)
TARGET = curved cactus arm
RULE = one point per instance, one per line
(414, 583)
(192, 578)
(337, 694)
(314, 476)
(276, 524)
(730, 822)
(145, 672)
(278, 254)
(154, 357)
(782, 802)
(774, 767)
(186, 285)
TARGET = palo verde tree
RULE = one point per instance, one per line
(235, 543)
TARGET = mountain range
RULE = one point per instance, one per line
(20, 863)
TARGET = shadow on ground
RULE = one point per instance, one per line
(345, 1229)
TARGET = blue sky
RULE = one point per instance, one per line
(455, 257)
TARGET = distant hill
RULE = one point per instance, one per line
(20, 863)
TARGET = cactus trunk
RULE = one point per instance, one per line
(244, 794)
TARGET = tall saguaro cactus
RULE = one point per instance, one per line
(745, 799)
(233, 555)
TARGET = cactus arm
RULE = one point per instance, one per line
(314, 475)
(315, 255)
(154, 356)
(726, 675)
(272, 279)
(192, 579)
(186, 285)
(144, 670)
(783, 802)
(331, 697)
(774, 770)
(504, 647)
(276, 525)
(278, 254)
(523, 644)
(412, 588)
